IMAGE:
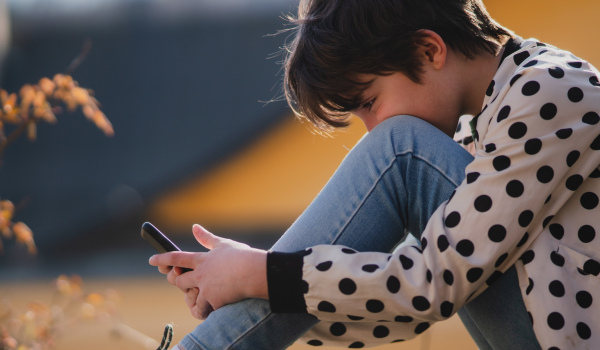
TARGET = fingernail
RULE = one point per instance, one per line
(152, 257)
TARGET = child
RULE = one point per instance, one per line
(512, 248)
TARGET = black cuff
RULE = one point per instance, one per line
(284, 278)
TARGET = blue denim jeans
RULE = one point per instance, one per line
(388, 185)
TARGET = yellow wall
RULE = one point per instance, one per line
(269, 184)
(265, 186)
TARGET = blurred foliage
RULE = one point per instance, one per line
(38, 326)
(21, 113)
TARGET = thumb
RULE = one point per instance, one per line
(207, 239)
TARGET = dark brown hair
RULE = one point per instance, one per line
(338, 40)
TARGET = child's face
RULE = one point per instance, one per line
(435, 100)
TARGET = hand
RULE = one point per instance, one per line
(229, 272)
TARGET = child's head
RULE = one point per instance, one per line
(339, 40)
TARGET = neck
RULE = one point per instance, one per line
(479, 74)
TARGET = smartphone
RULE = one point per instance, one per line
(159, 241)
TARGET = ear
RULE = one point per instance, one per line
(432, 49)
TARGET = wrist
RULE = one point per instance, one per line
(257, 286)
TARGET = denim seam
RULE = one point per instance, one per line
(250, 330)
(386, 169)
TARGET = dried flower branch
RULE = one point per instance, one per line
(36, 103)
(40, 102)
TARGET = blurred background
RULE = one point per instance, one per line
(193, 90)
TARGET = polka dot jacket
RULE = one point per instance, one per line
(530, 199)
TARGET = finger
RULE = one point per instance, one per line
(185, 281)
(172, 277)
(181, 259)
(190, 297)
(164, 269)
(204, 237)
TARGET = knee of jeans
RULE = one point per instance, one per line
(402, 133)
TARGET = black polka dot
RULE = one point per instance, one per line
(452, 220)
(465, 247)
(403, 319)
(556, 321)
(423, 243)
(381, 332)
(594, 81)
(591, 118)
(471, 177)
(592, 266)
(547, 220)
(574, 181)
(393, 284)
(523, 240)
(531, 63)
(497, 233)
(595, 174)
(493, 278)
(406, 262)
(448, 277)
(525, 218)
(490, 147)
(556, 288)
(545, 174)
(517, 130)
(530, 317)
(533, 146)
(583, 273)
(337, 329)
(584, 331)
(315, 342)
(370, 268)
(326, 306)
(529, 287)
(548, 111)
(305, 287)
(564, 133)
(501, 163)
(356, 345)
(530, 88)
(347, 286)
(421, 327)
(374, 306)
(589, 200)
(520, 57)
(575, 94)
(557, 231)
(575, 64)
(527, 257)
(514, 79)
(503, 114)
(490, 89)
(474, 274)
(596, 143)
(442, 243)
(307, 252)
(501, 259)
(429, 276)
(556, 72)
(548, 199)
(515, 188)
(324, 266)
(557, 259)
(355, 318)
(348, 251)
(446, 309)
(584, 299)
(572, 158)
(483, 203)
(421, 303)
